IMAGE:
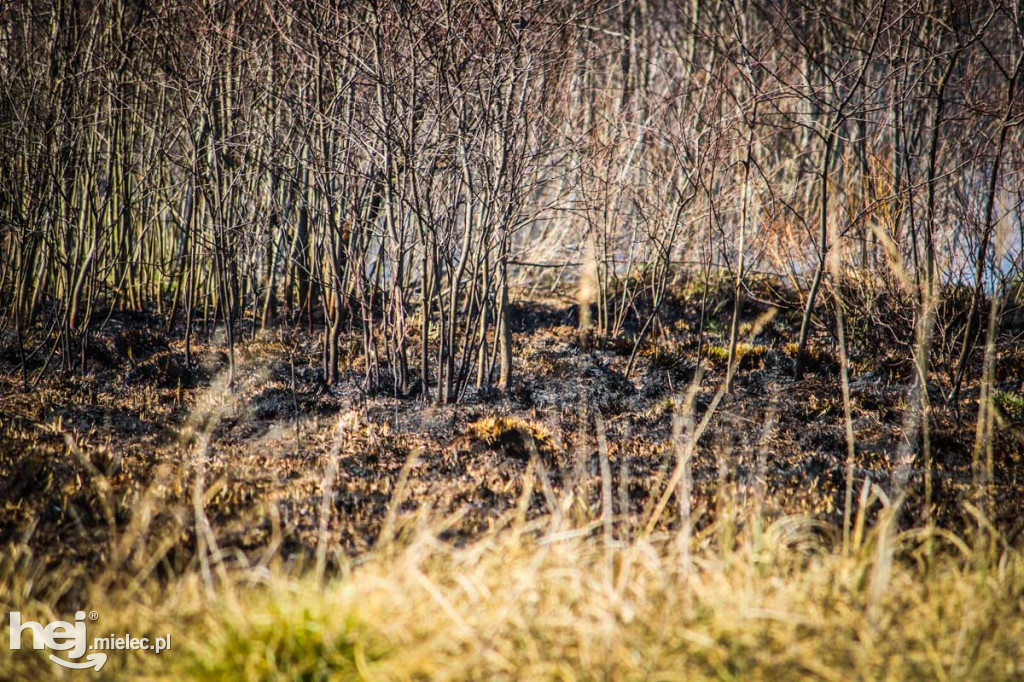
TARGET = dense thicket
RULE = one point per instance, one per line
(393, 168)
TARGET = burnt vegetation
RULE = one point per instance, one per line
(274, 274)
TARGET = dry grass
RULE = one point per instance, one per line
(514, 436)
(746, 354)
(546, 601)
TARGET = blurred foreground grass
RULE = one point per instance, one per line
(553, 600)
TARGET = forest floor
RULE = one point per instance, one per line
(126, 469)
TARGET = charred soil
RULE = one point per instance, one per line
(128, 469)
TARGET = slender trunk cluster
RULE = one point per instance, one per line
(390, 175)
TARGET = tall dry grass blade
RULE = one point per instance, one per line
(694, 437)
(327, 494)
(607, 512)
(387, 531)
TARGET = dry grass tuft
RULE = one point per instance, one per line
(512, 436)
(747, 355)
(817, 358)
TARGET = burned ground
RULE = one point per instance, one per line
(126, 470)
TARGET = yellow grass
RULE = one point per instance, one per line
(544, 601)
